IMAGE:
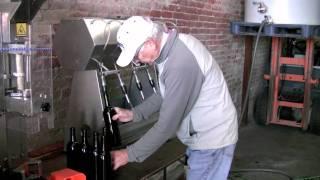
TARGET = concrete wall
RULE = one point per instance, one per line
(207, 20)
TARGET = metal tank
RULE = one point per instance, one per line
(283, 11)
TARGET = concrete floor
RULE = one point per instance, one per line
(280, 148)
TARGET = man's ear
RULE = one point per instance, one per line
(152, 43)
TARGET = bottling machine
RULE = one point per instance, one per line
(88, 48)
(25, 78)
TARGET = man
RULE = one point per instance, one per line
(193, 103)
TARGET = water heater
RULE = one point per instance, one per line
(283, 11)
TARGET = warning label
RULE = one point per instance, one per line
(21, 29)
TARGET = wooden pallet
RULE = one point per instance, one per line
(276, 30)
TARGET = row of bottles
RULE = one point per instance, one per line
(92, 160)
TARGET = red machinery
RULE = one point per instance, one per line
(276, 76)
(292, 97)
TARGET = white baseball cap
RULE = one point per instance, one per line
(131, 35)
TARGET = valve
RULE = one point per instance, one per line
(262, 8)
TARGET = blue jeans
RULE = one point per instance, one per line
(211, 164)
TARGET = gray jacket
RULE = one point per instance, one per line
(194, 103)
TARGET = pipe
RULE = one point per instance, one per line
(19, 72)
(106, 100)
(138, 83)
(123, 87)
(151, 82)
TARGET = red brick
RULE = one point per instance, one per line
(155, 13)
(167, 14)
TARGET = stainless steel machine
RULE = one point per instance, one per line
(88, 47)
(25, 77)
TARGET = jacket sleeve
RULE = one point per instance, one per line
(146, 108)
(182, 87)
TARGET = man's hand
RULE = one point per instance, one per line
(123, 115)
(119, 158)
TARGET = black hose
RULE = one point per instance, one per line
(263, 170)
(245, 103)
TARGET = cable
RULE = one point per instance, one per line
(100, 64)
(107, 24)
(109, 32)
(245, 103)
(263, 170)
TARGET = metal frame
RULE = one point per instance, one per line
(276, 76)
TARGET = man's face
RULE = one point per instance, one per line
(149, 52)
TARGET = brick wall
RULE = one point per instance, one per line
(208, 20)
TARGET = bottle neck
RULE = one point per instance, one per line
(95, 140)
(103, 143)
(72, 134)
(84, 137)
